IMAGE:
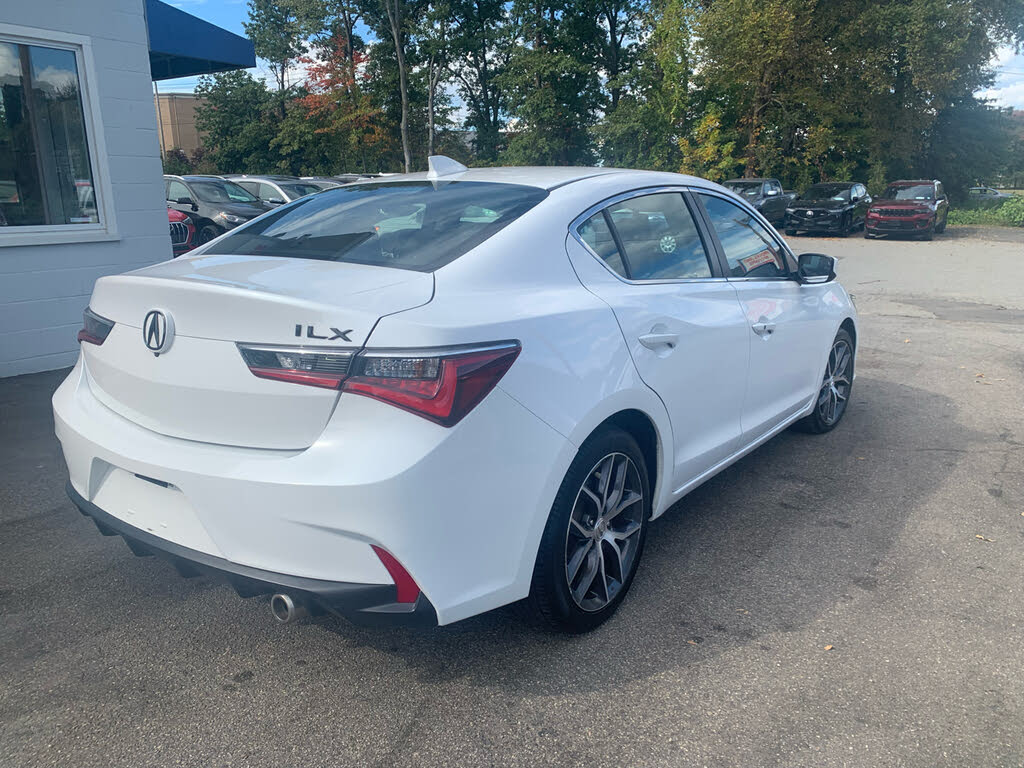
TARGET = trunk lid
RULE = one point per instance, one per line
(200, 388)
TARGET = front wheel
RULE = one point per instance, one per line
(836, 386)
(845, 227)
(594, 536)
(940, 228)
(208, 233)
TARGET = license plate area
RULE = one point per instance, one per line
(154, 506)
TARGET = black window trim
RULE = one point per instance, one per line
(711, 249)
(723, 260)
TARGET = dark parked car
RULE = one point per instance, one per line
(766, 195)
(986, 197)
(916, 207)
(839, 207)
(275, 190)
(214, 204)
(183, 232)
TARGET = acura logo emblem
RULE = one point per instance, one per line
(158, 331)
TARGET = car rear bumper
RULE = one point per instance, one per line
(364, 604)
(439, 500)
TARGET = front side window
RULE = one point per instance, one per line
(750, 249)
(46, 176)
(409, 225)
(659, 237)
(176, 191)
(297, 190)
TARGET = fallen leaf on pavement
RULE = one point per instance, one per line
(906, 341)
(979, 536)
(828, 647)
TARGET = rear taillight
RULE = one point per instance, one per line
(95, 328)
(439, 385)
(316, 368)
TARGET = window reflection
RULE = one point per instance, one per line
(45, 173)
(749, 248)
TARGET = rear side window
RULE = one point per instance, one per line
(657, 234)
(660, 238)
(750, 249)
(596, 233)
(418, 225)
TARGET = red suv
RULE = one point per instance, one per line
(917, 208)
(183, 232)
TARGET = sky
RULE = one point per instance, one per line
(1007, 91)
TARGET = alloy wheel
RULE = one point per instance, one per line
(835, 387)
(603, 538)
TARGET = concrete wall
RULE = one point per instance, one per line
(45, 287)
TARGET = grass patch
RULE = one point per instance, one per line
(1009, 214)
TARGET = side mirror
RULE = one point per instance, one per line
(771, 193)
(185, 201)
(815, 268)
(855, 198)
(275, 201)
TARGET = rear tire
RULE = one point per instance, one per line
(836, 387)
(594, 536)
(929, 233)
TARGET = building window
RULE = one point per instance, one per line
(46, 176)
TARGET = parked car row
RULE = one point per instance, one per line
(202, 207)
(917, 207)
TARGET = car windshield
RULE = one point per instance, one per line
(744, 188)
(221, 191)
(838, 192)
(415, 225)
(296, 191)
(912, 192)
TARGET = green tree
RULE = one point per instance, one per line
(235, 116)
(645, 126)
(552, 83)
(480, 48)
(277, 31)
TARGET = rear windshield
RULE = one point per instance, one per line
(419, 225)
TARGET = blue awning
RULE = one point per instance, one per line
(180, 45)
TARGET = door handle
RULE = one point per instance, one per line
(656, 340)
(763, 330)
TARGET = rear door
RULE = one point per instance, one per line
(784, 332)
(679, 316)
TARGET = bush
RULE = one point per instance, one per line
(1009, 214)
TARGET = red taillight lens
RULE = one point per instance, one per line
(441, 386)
(406, 587)
(317, 368)
(95, 328)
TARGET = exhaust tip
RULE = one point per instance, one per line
(285, 609)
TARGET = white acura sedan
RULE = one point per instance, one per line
(412, 400)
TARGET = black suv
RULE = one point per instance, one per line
(839, 207)
(214, 204)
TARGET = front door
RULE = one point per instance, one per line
(783, 319)
(679, 316)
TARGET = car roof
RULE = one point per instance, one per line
(908, 182)
(545, 177)
(259, 177)
(836, 183)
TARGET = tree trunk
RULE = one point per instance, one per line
(431, 86)
(394, 10)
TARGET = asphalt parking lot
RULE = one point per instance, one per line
(851, 599)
